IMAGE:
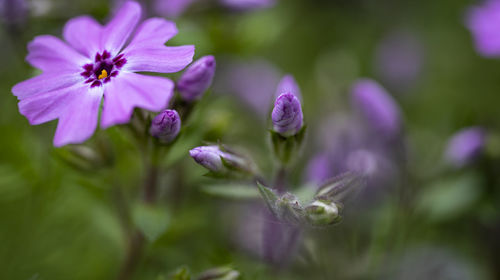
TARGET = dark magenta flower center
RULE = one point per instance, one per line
(103, 69)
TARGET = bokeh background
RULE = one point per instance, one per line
(60, 216)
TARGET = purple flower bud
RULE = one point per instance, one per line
(287, 115)
(208, 157)
(484, 23)
(166, 126)
(377, 107)
(197, 78)
(465, 146)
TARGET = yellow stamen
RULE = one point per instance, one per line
(104, 74)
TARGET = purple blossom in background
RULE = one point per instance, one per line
(248, 5)
(319, 169)
(197, 78)
(288, 85)
(377, 107)
(13, 11)
(287, 115)
(253, 82)
(93, 63)
(166, 126)
(398, 60)
(172, 8)
(465, 146)
(484, 23)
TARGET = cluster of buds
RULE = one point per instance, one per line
(191, 85)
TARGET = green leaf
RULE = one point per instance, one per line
(269, 196)
(231, 191)
(181, 274)
(449, 198)
(153, 221)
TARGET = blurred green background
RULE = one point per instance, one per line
(59, 221)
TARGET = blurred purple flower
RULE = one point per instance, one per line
(288, 85)
(166, 126)
(484, 23)
(172, 8)
(377, 107)
(465, 146)
(253, 81)
(248, 5)
(209, 157)
(319, 169)
(197, 78)
(398, 60)
(92, 64)
(287, 115)
(13, 11)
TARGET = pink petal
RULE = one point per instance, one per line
(118, 30)
(45, 82)
(49, 53)
(47, 106)
(84, 35)
(159, 59)
(79, 121)
(153, 32)
(130, 90)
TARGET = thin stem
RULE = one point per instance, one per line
(136, 239)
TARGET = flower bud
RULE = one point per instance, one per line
(377, 107)
(288, 84)
(196, 79)
(322, 213)
(220, 161)
(465, 146)
(287, 115)
(166, 126)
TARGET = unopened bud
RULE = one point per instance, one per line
(220, 161)
(322, 213)
(465, 146)
(196, 79)
(166, 126)
(287, 115)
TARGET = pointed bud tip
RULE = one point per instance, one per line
(197, 78)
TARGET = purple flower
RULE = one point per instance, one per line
(13, 11)
(172, 8)
(465, 146)
(166, 126)
(319, 169)
(287, 115)
(252, 81)
(398, 59)
(248, 5)
(377, 107)
(93, 63)
(484, 23)
(288, 84)
(197, 78)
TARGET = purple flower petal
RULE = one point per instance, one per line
(288, 84)
(76, 126)
(84, 35)
(49, 53)
(484, 23)
(47, 106)
(161, 59)
(287, 115)
(118, 30)
(153, 31)
(44, 83)
(131, 90)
